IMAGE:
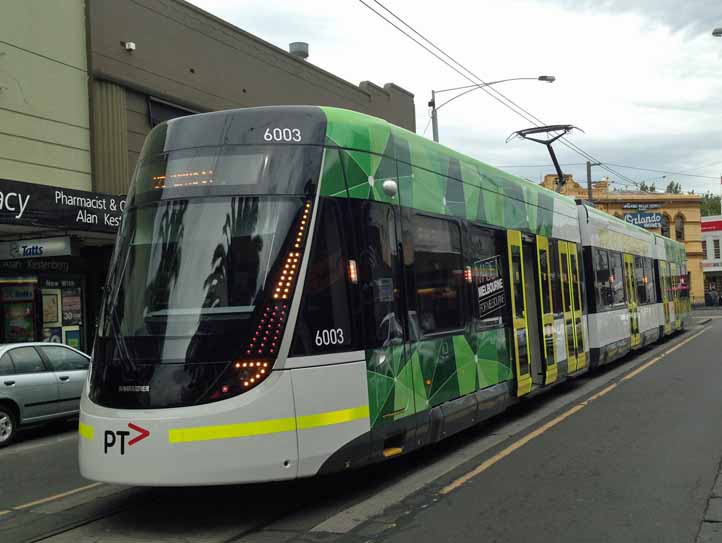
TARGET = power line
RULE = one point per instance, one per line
(665, 171)
(519, 110)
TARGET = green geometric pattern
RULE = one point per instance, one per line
(407, 379)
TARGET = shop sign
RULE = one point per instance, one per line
(711, 226)
(641, 206)
(41, 205)
(35, 248)
(645, 220)
(712, 266)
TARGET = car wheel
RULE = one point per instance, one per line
(7, 426)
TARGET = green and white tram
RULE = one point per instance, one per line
(300, 290)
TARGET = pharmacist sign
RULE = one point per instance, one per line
(645, 220)
(30, 204)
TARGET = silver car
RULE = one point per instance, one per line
(38, 382)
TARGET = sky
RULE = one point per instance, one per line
(641, 78)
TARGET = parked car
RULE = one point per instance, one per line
(38, 382)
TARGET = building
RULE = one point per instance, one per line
(81, 84)
(712, 259)
(676, 216)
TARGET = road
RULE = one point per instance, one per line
(630, 453)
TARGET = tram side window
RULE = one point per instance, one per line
(439, 274)
(602, 283)
(556, 277)
(640, 280)
(650, 281)
(617, 277)
(324, 321)
(379, 272)
(490, 284)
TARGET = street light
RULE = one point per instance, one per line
(469, 88)
(717, 32)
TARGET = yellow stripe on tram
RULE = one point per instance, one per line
(265, 427)
(86, 431)
(332, 417)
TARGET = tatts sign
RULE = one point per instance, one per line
(40, 205)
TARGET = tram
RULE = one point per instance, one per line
(302, 290)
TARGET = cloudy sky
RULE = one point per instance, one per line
(642, 78)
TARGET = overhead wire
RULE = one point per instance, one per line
(494, 93)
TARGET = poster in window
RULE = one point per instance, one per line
(53, 334)
(51, 307)
(489, 280)
(72, 306)
(18, 322)
(71, 336)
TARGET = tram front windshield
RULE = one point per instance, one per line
(196, 250)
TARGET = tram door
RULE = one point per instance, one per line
(576, 294)
(567, 305)
(546, 312)
(632, 304)
(518, 311)
(664, 287)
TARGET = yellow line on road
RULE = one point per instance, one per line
(56, 497)
(486, 464)
(4, 513)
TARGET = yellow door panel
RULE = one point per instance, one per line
(576, 293)
(567, 306)
(518, 311)
(546, 309)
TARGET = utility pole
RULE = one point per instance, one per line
(589, 179)
(434, 119)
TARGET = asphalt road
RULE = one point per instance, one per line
(601, 459)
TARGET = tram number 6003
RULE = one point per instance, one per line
(282, 134)
(334, 336)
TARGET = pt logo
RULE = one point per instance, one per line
(113, 437)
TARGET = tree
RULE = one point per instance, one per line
(673, 188)
(647, 188)
(710, 205)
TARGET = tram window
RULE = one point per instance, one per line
(439, 274)
(640, 280)
(617, 278)
(378, 272)
(556, 277)
(602, 283)
(324, 322)
(650, 282)
(516, 274)
(544, 272)
(566, 298)
(484, 255)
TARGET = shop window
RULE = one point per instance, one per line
(704, 249)
(617, 278)
(665, 225)
(716, 248)
(679, 228)
(27, 360)
(439, 274)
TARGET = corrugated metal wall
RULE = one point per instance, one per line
(110, 138)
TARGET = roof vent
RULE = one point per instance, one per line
(298, 49)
